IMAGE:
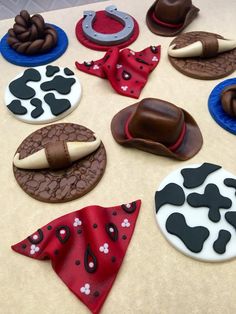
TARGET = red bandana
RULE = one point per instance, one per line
(126, 70)
(86, 248)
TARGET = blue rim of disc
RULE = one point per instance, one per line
(31, 61)
(215, 108)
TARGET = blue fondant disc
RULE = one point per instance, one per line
(31, 61)
(216, 110)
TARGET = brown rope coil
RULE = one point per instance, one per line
(30, 35)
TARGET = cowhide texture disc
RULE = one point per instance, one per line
(196, 211)
(43, 94)
(200, 68)
(53, 186)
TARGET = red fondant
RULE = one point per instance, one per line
(164, 23)
(180, 139)
(107, 25)
(138, 64)
(71, 239)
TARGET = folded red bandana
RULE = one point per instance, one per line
(126, 70)
(86, 248)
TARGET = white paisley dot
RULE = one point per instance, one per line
(62, 232)
(111, 229)
(91, 264)
(35, 237)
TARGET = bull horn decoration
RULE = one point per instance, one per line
(39, 160)
(196, 49)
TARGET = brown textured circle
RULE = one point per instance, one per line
(67, 184)
(199, 68)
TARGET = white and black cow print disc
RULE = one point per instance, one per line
(43, 94)
(196, 211)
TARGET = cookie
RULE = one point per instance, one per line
(203, 68)
(195, 210)
(43, 95)
(53, 185)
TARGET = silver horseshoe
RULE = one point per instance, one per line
(108, 39)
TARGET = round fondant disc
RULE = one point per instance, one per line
(218, 114)
(182, 207)
(107, 25)
(62, 185)
(200, 68)
(32, 61)
(43, 95)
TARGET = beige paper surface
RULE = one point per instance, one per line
(154, 278)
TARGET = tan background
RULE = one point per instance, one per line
(154, 278)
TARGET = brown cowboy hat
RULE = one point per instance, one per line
(170, 17)
(158, 127)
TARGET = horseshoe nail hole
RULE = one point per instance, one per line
(115, 36)
(95, 35)
(126, 17)
(86, 26)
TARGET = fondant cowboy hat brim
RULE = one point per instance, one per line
(168, 31)
(191, 144)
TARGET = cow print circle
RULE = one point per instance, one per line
(43, 94)
(196, 211)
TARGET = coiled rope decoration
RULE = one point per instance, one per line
(30, 35)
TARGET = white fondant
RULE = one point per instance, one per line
(199, 216)
(77, 222)
(125, 223)
(47, 117)
(104, 248)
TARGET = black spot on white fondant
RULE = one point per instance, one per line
(19, 88)
(171, 194)
(129, 208)
(68, 72)
(57, 106)
(38, 111)
(90, 260)
(63, 234)
(211, 199)
(230, 183)
(60, 84)
(112, 231)
(16, 107)
(37, 237)
(231, 218)
(223, 239)
(192, 237)
(194, 177)
(51, 70)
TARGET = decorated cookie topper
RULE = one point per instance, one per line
(195, 210)
(32, 42)
(103, 29)
(203, 55)
(86, 248)
(158, 127)
(43, 94)
(126, 70)
(222, 104)
(170, 17)
(59, 163)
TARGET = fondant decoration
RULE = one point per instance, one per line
(72, 148)
(43, 94)
(87, 262)
(197, 216)
(211, 199)
(207, 47)
(126, 70)
(196, 177)
(30, 35)
(108, 39)
(203, 55)
(103, 29)
(170, 17)
(230, 183)
(222, 104)
(158, 127)
(26, 60)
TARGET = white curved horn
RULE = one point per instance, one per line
(196, 49)
(38, 160)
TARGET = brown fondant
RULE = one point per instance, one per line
(228, 100)
(210, 46)
(63, 185)
(203, 68)
(57, 155)
(30, 35)
(138, 117)
(178, 13)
